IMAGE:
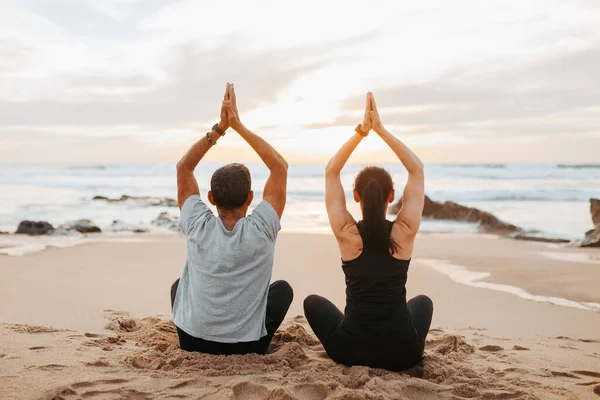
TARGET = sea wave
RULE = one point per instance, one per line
(462, 275)
(578, 166)
(475, 165)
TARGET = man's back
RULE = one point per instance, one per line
(222, 294)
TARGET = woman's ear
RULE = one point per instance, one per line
(211, 199)
(250, 198)
(356, 197)
(391, 196)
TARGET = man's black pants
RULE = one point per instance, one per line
(279, 300)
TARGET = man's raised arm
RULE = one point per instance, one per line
(276, 186)
(186, 181)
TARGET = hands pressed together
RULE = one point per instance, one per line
(230, 116)
(371, 119)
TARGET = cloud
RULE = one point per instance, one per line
(192, 91)
(536, 98)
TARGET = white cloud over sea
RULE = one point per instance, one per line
(131, 80)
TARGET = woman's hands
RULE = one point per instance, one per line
(366, 124)
(371, 118)
(375, 120)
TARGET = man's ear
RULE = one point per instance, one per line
(211, 199)
(250, 198)
(356, 197)
(391, 196)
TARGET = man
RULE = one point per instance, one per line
(223, 303)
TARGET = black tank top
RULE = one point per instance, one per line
(376, 291)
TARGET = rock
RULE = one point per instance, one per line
(34, 227)
(146, 200)
(452, 211)
(531, 237)
(167, 221)
(595, 210)
(82, 225)
(120, 226)
(592, 238)
(64, 231)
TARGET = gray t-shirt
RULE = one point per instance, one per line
(222, 293)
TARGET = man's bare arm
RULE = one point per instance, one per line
(187, 185)
(276, 186)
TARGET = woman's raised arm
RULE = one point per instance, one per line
(413, 199)
(335, 198)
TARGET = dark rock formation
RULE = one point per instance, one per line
(34, 228)
(452, 211)
(147, 200)
(167, 221)
(531, 237)
(120, 226)
(592, 237)
(82, 226)
(595, 210)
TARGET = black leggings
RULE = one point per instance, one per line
(325, 318)
(279, 301)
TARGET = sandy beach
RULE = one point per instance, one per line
(92, 321)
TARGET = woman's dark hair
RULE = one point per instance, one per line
(374, 186)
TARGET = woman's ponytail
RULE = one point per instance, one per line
(374, 185)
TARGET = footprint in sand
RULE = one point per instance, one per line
(519, 348)
(37, 348)
(99, 363)
(491, 348)
(593, 374)
(49, 367)
(249, 391)
(588, 383)
(299, 318)
(564, 374)
(87, 384)
(311, 391)
(183, 384)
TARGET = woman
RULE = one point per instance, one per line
(379, 328)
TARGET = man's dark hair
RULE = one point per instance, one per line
(230, 186)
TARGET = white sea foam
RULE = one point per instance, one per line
(460, 274)
(20, 245)
(581, 257)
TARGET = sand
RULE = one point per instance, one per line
(92, 321)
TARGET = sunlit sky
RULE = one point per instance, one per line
(102, 81)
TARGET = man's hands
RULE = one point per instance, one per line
(224, 122)
(233, 116)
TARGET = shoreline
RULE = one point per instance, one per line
(523, 270)
(486, 274)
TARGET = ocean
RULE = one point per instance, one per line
(550, 198)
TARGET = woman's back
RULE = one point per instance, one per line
(376, 289)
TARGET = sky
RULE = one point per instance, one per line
(119, 81)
